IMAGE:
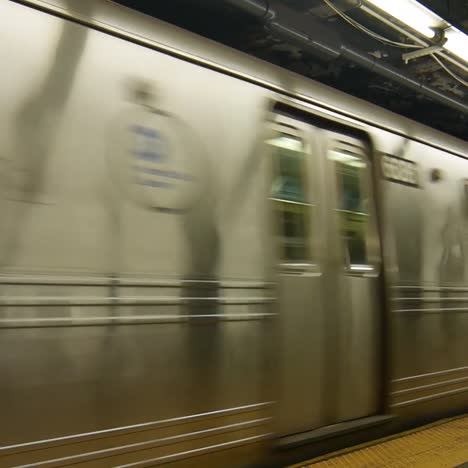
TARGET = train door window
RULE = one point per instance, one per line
(352, 205)
(290, 198)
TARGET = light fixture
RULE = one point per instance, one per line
(424, 21)
(411, 13)
(457, 43)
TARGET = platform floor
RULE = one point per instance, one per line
(441, 444)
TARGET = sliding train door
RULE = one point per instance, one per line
(352, 280)
(297, 227)
(327, 260)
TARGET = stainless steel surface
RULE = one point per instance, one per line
(139, 442)
(126, 320)
(431, 397)
(427, 387)
(328, 321)
(432, 374)
(300, 303)
(429, 323)
(105, 454)
(135, 282)
(138, 427)
(178, 290)
(171, 330)
(198, 452)
(353, 301)
(432, 311)
(430, 386)
(97, 301)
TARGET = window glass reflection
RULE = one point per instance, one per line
(288, 193)
(351, 173)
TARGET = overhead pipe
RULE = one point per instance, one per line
(314, 38)
(258, 8)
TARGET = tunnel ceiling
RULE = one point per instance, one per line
(218, 21)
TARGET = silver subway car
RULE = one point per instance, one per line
(207, 260)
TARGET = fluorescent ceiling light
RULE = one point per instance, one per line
(421, 19)
(457, 43)
(411, 13)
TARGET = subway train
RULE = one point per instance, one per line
(207, 260)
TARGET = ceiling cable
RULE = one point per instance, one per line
(450, 72)
(371, 33)
(385, 40)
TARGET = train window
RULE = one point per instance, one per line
(351, 173)
(289, 195)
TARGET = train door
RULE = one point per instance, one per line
(327, 256)
(352, 280)
(294, 200)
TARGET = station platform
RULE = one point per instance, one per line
(440, 444)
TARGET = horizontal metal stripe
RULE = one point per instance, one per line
(67, 281)
(124, 282)
(197, 452)
(126, 320)
(430, 299)
(429, 386)
(246, 285)
(72, 439)
(431, 288)
(114, 451)
(291, 202)
(429, 398)
(67, 301)
(457, 310)
(431, 374)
